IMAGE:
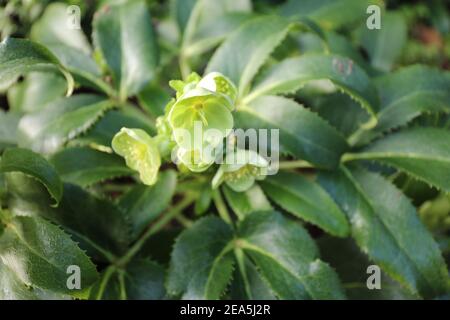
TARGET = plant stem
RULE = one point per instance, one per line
(166, 218)
(184, 221)
(185, 69)
(221, 207)
(108, 273)
(294, 164)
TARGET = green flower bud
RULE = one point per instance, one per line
(199, 118)
(240, 170)
(140, 152)
(195, 160)
(181, 87)
(217, 82)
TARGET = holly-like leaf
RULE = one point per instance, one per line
(302, 133)
(406, 94)
(34, 165)
(85, 166)
(47, 130)
(307, 200)
(127, 44)
(100, 227)
(421, 152)
(40, 254)
(244, 52)
(287, 258)
(204, 252)
(19, 56)
(291, 74)
(143, 204)
(386, 226)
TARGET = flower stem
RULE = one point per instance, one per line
(221, 207)
(294, 164)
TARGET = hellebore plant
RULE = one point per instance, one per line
(291, 166)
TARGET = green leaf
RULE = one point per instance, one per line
(203, 253)
(102, 132)
(287, 258)
(85, 166)
(382, 51)
(19, 56)
(127, 45)
(386, 226)
(214, 31)
(154, 100)
(143, 204)
(70, 45)
(8, 129)
(421, 152)
(330, 14)
(245, 51)
(302, 133)
(258, 289)
(37, 90)
(307, 200)
(34, 165)
(12, 287)
(52, 28)
(140, 152)
(351, 265)
(98, 225)
(291, 74)
(40, 253)
(243, 203)
(47, 130)
(407, 93)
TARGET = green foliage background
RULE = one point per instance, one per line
(364, 133)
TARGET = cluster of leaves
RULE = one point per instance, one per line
(353, 139)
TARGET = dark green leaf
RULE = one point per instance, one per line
(307, 200)
(40, 253)
(127, 44)
(96, 224)
(287, 258)
(143, 204)
(103, 131)
(302, 133)
(291, 74)
(421, 152)
(34, 165)
(47, 130)
(85, 166)
(141, 280)
(385, 226)
(203, 253)
(19, 56)
(245, 51)
(330, 14)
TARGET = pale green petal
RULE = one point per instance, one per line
(140, 152)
